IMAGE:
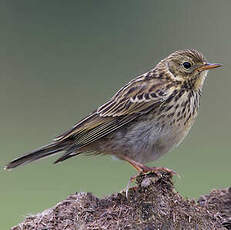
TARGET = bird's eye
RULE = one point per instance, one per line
(187, 65)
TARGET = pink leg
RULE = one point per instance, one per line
(143, 168)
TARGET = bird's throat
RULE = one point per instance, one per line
(198, 84)
(195, 83)
(199, 81)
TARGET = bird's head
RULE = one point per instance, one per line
(189, 67)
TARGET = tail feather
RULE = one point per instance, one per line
(37, 154)
(66, 156)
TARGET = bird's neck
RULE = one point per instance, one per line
(195, 84)
(199, 82)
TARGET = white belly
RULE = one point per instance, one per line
(146, 142)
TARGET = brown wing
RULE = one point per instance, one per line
(137, 97)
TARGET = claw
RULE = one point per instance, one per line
(141, 168)
(131, 180)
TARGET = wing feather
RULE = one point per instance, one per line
(135, 98)
(139, 96)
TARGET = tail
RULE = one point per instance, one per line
(37, 154)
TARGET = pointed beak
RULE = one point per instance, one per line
(208, 66)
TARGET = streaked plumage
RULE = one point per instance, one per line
(143, 120)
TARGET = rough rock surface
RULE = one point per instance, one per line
(152, 205)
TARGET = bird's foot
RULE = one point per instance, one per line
(143, 169)
(158, 171)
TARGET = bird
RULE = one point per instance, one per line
(145, 119)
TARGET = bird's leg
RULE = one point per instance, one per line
(141, 168)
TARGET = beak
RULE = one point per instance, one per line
(208, 66)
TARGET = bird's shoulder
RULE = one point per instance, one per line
(137, 97)
(144, 90)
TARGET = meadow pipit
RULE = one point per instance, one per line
(143, 120)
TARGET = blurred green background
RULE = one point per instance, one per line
(62, 59)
